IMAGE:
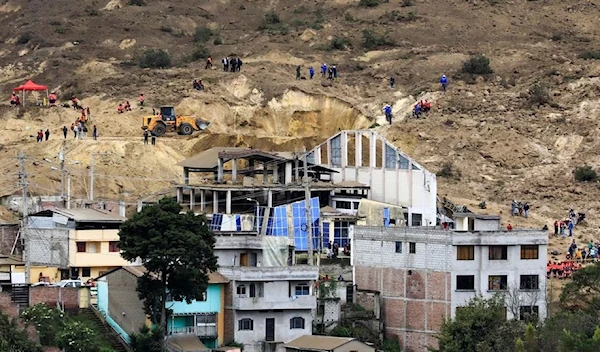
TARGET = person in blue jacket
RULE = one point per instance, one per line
(311, 72)
(444, 82)
(323, 70)
(388, 113)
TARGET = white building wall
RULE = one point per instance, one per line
(253, 339)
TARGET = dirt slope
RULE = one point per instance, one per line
(504, 147)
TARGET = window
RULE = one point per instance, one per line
(528, 313)
(252, 290)
(417, 220)
(529, 282)
(412, 247)
(465, 252)
(113, 246)
(86, 272)
(398, 247)
(81, 247)
(340, 232)
(302, 290)
(203, 297)
(498, 252)
(297, 323)
(241, 290)
(465, 282)
(497, 282)
(93, 247)
(529, 252)
(340, 204)
(246, 324)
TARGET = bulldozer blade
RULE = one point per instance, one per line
(202, 125)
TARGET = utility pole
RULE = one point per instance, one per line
(61, 157)
(308, 210)
(24, 211)
(92, 174)
(68, 191)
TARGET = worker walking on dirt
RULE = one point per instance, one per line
(323, 70)
(225, 63)
(311, 72)
(208, 63)
(65, 130)
(142, 99)
(239, 64)
(388, 113)
(75, 103)
(298, 72)
(334, 71)
(153, 138)
(127, 106)
(444, 82)
(120, 109)
(47, 133)
(95, 133)
(233, 64)
(392, 82)
(145, 136)
(74, 130)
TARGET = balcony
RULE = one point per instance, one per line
(207, 331)
(264, 273)
(259, 303)
(223, 241)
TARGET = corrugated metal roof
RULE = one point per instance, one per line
(320, 343)
(83, 215)
(208, 159)
(140, 270)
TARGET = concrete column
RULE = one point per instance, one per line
(186, 176)
(318, 156)
(234, 170)
(228, 203)
(202, 200)
(358, 149)
(220, 170)
(288, 173)
(372, 150)
(192, 198)
(276, 173)
(215, 197)
(344, 145)
(180, 195)
(270, 199)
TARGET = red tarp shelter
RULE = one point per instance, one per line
(30, 86)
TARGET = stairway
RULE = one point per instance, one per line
(106, 331)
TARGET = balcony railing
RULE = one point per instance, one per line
(207, 331)
(260, 303)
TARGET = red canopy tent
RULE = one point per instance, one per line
(30, 86)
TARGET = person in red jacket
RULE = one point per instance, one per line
(142, 99)
(120, 109)
(52, 99)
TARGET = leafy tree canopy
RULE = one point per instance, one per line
(13, 338)
(176, 249)
(583, 292)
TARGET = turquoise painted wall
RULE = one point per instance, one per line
(102, 296)
(103, 308)
(180, 322)
(212, 303)
(210, 343)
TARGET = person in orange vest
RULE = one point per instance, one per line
(142, 99)
(52, 99)
(426, 106)
(208, 63)
(83, 118)
(120, 109)
(14, 100)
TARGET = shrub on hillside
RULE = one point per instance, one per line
(538, 94)
(406, 3)
(136, 3)
(199, 53)
(372, 40)
(448, 171)
(218, 41)
(585, 174)
(273, 24)
(24, 38)
(271, 18)
(202, 34)
(155, 58)
(590, 55)
(338, 43)
(477, 65)
(371, 3)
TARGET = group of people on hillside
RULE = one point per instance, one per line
(583, 253)
(230, 64)
(561, 226)
(329, 72)
(41, 134)
(422, 107)
(197, 84)
(149, 134)
(518, 208)
(562, 269)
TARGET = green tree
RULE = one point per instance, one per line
(147, 340)
(47, 321)
(177, 251)
(583, 292)
(13, 338)
(77, 336)
(480, 326)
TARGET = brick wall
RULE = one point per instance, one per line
(68, 296)
(230, 326)
(8, 234)
(7, 307)
(415, 287)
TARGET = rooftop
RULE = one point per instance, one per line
(7, 259)
(83, 215)
(140, 270)
(477, 216)
(318, 343)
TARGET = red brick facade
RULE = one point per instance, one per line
(67, 296)
(414, 303)
(229, 314)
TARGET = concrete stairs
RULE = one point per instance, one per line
(105, 330)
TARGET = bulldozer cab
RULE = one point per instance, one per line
(168, 113)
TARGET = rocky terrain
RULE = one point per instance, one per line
(500, 144)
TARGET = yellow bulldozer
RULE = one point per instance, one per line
(167, 121)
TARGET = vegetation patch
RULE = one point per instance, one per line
(155, 58)
(590, 55)
(477, 65)
(202, 34)
(371, 3)
(372, 40)
(538, 94)
(24, 38)
(272, 23)
(585, 174)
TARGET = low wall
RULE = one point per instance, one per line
(68, 297)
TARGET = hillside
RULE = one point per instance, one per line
(501, 146)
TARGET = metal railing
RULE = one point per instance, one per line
(200, 331)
